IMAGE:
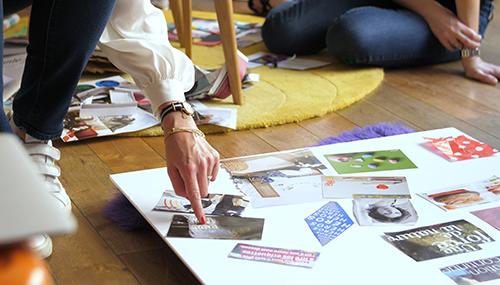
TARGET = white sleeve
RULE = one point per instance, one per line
(136, 41)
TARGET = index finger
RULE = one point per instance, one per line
(177, 181)
(193, 195)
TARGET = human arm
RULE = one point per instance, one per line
(452, 33)
(474, 67)
(457, 32)
(136, 41)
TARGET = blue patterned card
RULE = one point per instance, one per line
(328, 222)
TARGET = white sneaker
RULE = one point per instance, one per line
(42, 245)
(45, 156)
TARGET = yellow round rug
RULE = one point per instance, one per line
(284, 96)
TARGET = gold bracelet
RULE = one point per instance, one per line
(195, 132)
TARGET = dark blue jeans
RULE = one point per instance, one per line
(62, 35)
(359, 32)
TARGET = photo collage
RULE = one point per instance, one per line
(299, 176)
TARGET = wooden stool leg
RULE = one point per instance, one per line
(176, 7)
(224, 9)
(187, 8)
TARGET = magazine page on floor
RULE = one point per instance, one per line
(465, 195)
(490, 216)
(340, 187)
(280, 256)
(384, 212)
(369, 161)
(93, 113)
(440, 240)
(474, 271)
(278, 178)
(216, 227)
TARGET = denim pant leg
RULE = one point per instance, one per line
(300, 26)
(63, 34)
(375, 36)
(4, 123)
(7, 7)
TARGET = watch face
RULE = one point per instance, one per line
(187, 108)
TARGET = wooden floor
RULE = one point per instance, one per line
(101, 253)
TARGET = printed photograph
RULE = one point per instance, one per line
(475, 271)
(206, 32)
(114, 123)
(459, 148)
(278, 178)
(350, 186)
(370, 161)
(465, 195)
(439, 240)
(267, 59)
(214, 204)
(78, 127)
(380, 212)
(491, 216)
(216, 227)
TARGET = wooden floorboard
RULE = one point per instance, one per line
(239, 144)
(425, 116)
(85, 258)
(428, 82)
(102, 253)
(287, 136)
(328, 125)
(119, 154)
(365, 113)
(159, 266)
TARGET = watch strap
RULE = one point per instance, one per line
(467, 52)
(172, 107)
(184, 107)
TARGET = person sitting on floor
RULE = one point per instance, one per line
(384, 33)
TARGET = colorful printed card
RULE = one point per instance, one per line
(460, 148)
(491, 216)
(369, 161)
(439, 240)
(465, 195)
(328, 222)
(348, 186)
(290, 257)
(475, 271)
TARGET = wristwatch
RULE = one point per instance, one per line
(183, 107)
(467, 52)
